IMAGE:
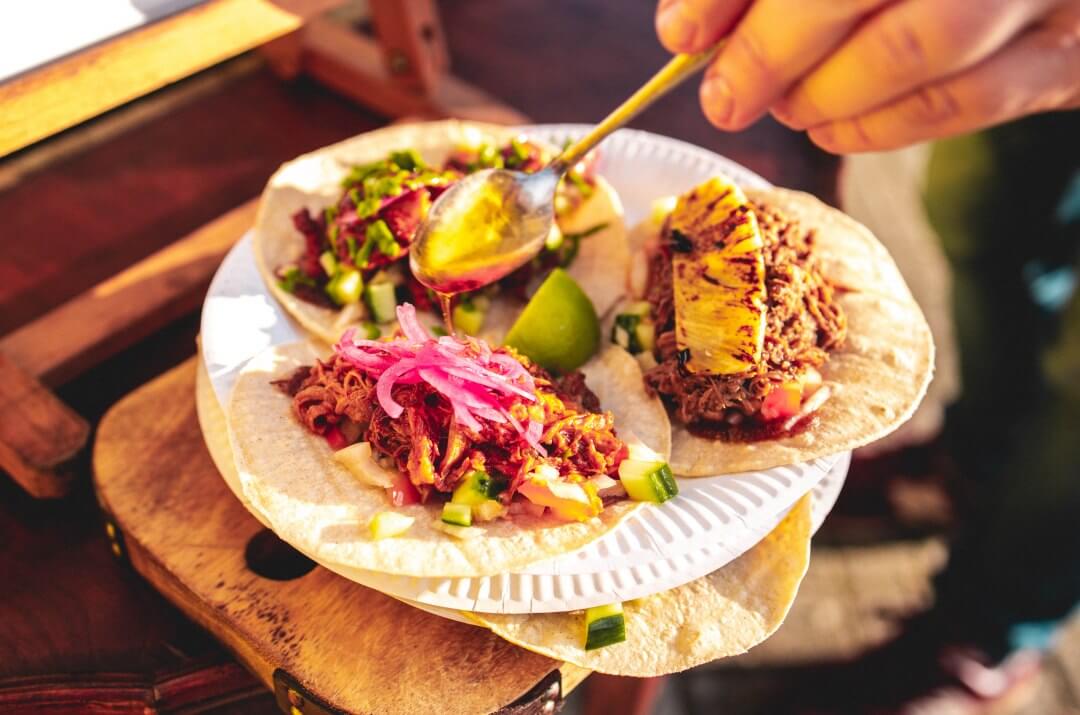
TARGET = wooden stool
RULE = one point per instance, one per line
(322, 643)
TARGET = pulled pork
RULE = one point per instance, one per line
(803, 323)
(436, 452)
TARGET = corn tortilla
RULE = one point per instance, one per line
(313, 181)
(720, 615)
(876, 379)
(288, 474)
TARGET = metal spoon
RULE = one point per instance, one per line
(490, 223)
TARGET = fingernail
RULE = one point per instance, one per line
(675, 29)
(716, 99)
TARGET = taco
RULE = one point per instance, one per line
(723, 614)
(776, 330)
(334, 226)
(428, 456)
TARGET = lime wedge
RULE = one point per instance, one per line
(558, 329)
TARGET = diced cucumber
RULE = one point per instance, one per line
(646, 335)
(624, 332)
(329, 262)
(458, 532)
(386, 524)
(468, 318)
(457, 514)
(648, 480)
(474, 489)
(604, 626)
(381, 302)
(345, 287)
(633, 330)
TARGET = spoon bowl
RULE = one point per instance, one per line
(484, 227)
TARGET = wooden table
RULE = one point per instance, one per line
(80, 208)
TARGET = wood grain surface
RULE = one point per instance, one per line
(39, 434)
(63, 93)
(355, 648)
(127, 307)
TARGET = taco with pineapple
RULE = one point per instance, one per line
(334, 226)
(775, 329)
(442, 456)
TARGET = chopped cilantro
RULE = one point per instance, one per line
(408, 160)
(292, 277)
(364, 254)
(368, 207)
(379, 232)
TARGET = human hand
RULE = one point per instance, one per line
(868, 75)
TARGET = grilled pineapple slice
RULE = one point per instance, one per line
(718, 268)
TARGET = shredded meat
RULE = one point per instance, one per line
(803, 323)
(436, 452)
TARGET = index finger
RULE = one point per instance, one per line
(695, 25)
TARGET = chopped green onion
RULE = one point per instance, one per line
(368, 206)
(363, 256)
(329, 263)
(358, 173)
(383, 186)
(604, 626)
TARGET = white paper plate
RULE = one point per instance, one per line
(825, 495)
(711, 522)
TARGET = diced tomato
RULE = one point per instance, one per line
(402, 491)
(336, 439)
(782, 402)
(569, 501)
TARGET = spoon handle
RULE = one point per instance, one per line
(679, 68)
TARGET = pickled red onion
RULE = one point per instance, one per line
(480, 384)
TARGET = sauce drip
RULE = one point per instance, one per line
(447, 314)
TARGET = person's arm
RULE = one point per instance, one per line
(865, 75)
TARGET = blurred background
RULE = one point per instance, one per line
(985, 229)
